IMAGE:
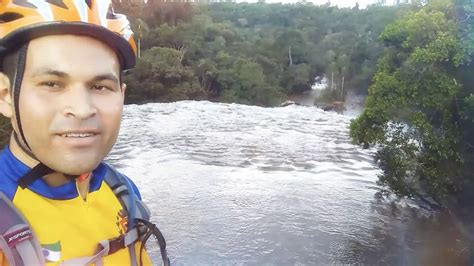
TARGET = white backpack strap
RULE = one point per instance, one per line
(134, 207)
(122, 188)
(105, 247)
(83, 261)
(138, 215)
(17, 241)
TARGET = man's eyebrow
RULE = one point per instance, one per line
(61, 74)
(51, 72)
(108, 76)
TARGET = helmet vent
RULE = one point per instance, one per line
(59, 3)
(9, 16)
(111, 14)
(24, 3)
(89, 3)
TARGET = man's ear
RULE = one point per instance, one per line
(123, 87)
(6, 107)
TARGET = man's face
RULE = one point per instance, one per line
(71, 102)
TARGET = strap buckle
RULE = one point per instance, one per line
(111, 245)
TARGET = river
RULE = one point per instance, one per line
(232, 184)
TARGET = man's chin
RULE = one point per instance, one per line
(72, 168)
(75, 171)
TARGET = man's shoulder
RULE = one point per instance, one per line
(8, 187)
(10, 170)
(127, 179)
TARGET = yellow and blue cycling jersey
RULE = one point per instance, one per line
(66, 225)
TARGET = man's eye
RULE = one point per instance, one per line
(100, 87)
(50, 84)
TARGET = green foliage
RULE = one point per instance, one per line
(162, 77)
(251, 53)
(296, 79)
(419, 109)
(5, 131)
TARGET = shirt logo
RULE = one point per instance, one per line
(122, 221)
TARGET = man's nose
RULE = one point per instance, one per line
(79, 103)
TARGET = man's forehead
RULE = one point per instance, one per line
(66, 51)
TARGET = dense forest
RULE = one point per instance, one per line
(258, 54)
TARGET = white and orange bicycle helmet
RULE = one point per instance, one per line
(24, 20)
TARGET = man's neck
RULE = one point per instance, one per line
(53, 180)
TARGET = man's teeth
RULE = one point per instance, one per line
(77, 135)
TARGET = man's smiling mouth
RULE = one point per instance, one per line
(78, 135)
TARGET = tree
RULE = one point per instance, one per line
(417, 106)
(160, 76)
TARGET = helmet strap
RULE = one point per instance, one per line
(16, 87)
(14, 67)
(37, 172)
(23, 147)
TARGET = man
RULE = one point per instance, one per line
(61, 87)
